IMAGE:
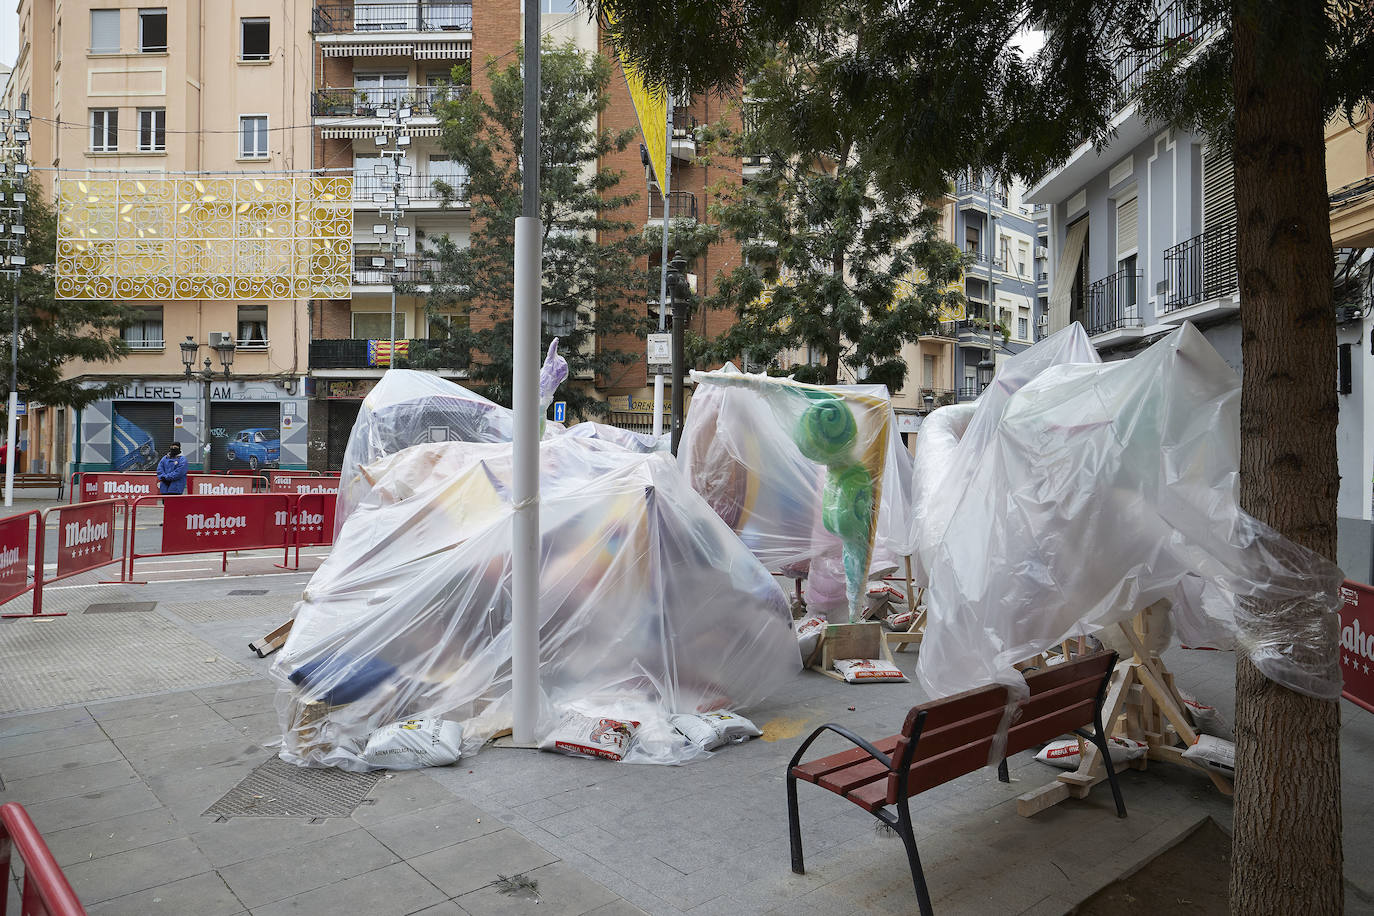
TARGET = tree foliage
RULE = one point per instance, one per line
(53, 334)
(590, 278)
(831, 266)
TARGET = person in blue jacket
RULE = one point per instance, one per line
(171, 472)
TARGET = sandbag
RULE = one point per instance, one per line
(868, 670)
(414, 743)
(591, 736)
(710, 730)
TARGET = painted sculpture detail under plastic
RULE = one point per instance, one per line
(648, 604)
(409, 406)
(801, 472)
(1082, 492)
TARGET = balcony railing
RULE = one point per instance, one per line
(684, 125)
(976, 252)
(968, 393)
(978, 191)
(1177, 31)
(681, 205)
(364, 102)
(431, 16)
(1114, 302)
(416, 187)
(361, 353)
(1202, 268)
(939, 396)
(417, 270)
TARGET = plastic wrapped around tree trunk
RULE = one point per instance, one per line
(1083, 492)
(648, 604)
(800, 473)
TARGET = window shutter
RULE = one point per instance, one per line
(1127, 231)
(105, 31)
(1218, 223)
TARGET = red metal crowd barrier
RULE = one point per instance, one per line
(46, 890)
(1357, 644)
(88, 486)
(15, 534)
(92, 485)
(85, 541)
(300, 486)
(224, 484)
(312, 524)
(217, 524)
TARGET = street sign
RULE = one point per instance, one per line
(22, 409)
(560, 411)
(660, 354)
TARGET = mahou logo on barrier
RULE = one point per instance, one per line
(210, 485)
(1357, 643)
(196, 523)
(314, 519)
(303, 485)
(85, 537)
(117, 486)
(14, 556)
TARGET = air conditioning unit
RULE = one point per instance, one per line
(1041, 251)
(221, 339)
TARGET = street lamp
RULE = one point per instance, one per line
(224, 349)
(680, 298)
(986, 369)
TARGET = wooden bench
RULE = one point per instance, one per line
(948, 738)
(39, 482)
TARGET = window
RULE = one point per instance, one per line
(104, 31)
(104, 130)
(373, 89)
(451, 15)
(152, 129)
(451, 172)
(145, 333)
(558, 6)
(373, 325)
(927, 371)
(253, 137)
(252, 327)
(1023, 328)
(440, 326)
(152, 31)
(255, 39)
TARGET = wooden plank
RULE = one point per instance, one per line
(272, 641)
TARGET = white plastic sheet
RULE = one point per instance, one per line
(625, 438)
(1083, 492)
(801, 473)
(648, 604)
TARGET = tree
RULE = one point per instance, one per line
(831, 265)
(53, 334)
(590, 247)
(943, 82)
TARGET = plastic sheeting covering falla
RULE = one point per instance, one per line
(1081, 492)
(409, 406)
(648, 604)
(795, 469)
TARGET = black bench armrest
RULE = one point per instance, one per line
(847, 735)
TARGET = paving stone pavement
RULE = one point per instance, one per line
(120, 786)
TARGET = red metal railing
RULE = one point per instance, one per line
(46, 890)
(80, 550)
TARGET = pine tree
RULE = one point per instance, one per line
(832, 266)
(51, 333)
(590, 280)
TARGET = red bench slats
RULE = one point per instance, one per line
(851, 777)
(813, 771)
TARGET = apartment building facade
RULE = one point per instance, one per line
(131, 88)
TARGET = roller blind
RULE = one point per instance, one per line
(1127, 233)
(105, 31)
(1064, 273)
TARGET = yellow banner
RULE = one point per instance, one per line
(268, 237)
(652, 107)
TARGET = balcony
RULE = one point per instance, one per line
(967, 393)
(414, 189)
(684, 145)
(421, 271)
(356, 353)
(1177, 32)
(681, 205)
(980, 259)
(975, 193)
(431, 16)
(1114, 304)
(939, 397)
(973, 333)
(364, 103)
(1201, 274)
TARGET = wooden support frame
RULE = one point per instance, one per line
(1143, 704)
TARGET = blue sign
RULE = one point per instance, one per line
(560, 411)
(22, 409)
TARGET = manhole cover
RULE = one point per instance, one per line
(249, 591)
(119, 607)
(278, 789)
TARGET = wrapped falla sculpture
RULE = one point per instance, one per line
(798, 471)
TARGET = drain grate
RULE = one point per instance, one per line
(121, 607)
(278, 789)
(248, 591)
